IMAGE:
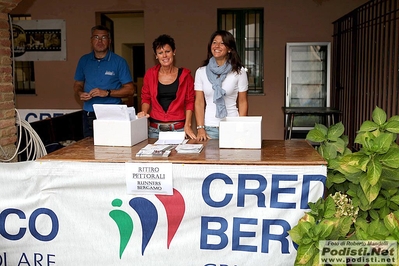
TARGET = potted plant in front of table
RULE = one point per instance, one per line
(362, 199)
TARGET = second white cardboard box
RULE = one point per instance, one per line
(120, 133)
(243, 132)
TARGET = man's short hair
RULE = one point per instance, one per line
(100, 27)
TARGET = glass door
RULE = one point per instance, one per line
(307, 80)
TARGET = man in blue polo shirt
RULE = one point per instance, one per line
(101, 77)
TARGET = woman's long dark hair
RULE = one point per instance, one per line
(229, 41)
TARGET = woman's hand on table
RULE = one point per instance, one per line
(201, 135)
(189, 132)
(142, 114)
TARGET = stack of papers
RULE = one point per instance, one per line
(189, 148)
(118, 112)
(155, 150)
(171, 137)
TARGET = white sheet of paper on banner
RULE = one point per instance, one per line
(149, 178)
(171, 137)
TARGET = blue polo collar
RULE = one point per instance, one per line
(107, 57)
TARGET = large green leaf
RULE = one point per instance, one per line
(392, 191)
(301, 232)
(393, 206)
(342, 227)
(395, 199)
(351, 163)
(374, 214)
(319, 149)
(307, 239)
(362, 234)
(333, 164)
(345, 138)
(328, 151)
(322, 128)
(296, 234)
(373, 226)
(391, 222)
(364, 139)
(329, 180)
(391, 158)
(339, 145)
(336, 178)
(368, 145)
(389, 177)
(316, 260)
(376, 132)
(305, 253)
(374, 169)
(345, 226)
(385, 210)
(386, 193)
(335, 131)
(361, 223)
(364, 161)
(324, 229)
(393, 118)
(329, 207)
(368, 126)
(390, 174)
(364, 185)
(379, 116)
(380, 232)
(361, 198)
(316, 135)
(306, 222)
(315, 206)
(383, 143)
(371, 192)
(379, 202)
(392, 126)
(356, 177)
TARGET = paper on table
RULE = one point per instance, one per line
(171, 137)
(155, 150)
(117, 112)
(189, 148)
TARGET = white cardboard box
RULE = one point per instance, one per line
(120, 133)
(241, 132)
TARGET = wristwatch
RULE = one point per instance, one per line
(108, 93)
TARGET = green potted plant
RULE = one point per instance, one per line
(362, 199)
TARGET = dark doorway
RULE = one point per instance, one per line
(138, 61)
(107, 22)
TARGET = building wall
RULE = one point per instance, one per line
(190, 23)
(7, 108)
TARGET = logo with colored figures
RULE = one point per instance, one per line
(174, 207)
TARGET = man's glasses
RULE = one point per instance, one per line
(104, 37)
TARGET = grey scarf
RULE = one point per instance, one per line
(216, 74)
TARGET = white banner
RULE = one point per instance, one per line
(32, 115)
(77, 213)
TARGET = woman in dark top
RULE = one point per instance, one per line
(167, 96)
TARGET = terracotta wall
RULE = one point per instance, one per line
(7, 107)
(190, 23)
